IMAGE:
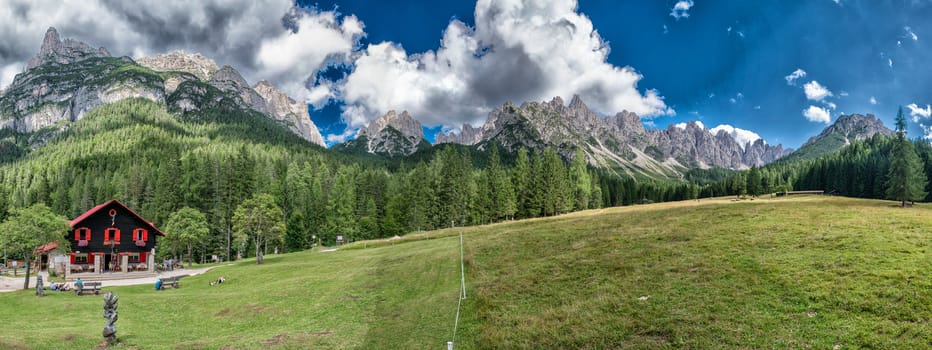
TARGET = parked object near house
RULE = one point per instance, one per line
(792, 193)
(111, 238)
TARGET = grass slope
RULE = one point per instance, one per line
(388, 298)
(786, 273)
(812, 272)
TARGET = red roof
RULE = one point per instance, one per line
(93, 210)
(46, 248)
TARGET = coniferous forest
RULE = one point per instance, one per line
(214, 160)
(158, 163)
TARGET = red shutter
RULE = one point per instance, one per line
(72, 258)
(87, 234)
(142, 257)
(145, 235)
(90, 258)
(136, 234)
(117, 235)
(106, 235)
(77, 234)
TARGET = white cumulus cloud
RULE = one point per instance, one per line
(917, 111)
(683, 125)
(791, 79)
(815, 91)
(265, 40)
(681, 9)
(743, 137)
(817, 114)
(519, 50)
(873, 100)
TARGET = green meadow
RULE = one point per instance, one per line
(808, 272)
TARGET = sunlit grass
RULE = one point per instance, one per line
(804, 272)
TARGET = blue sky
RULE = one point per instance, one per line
(721, 62)
(725, 62)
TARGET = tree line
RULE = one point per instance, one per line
(193, 175)
(879, 167)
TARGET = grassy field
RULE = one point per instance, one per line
(809, 272)
(355, 299)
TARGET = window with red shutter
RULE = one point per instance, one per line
(113, 233)
(82, 235)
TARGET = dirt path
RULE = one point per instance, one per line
(8, 284)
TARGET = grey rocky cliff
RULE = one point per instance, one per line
(468, 135)
(66, 80)
(845, 130)
(853, 127)
(229, 80)
(393, 134)
(179, 61)
(63, 52)
(615, 142)
(293, 114)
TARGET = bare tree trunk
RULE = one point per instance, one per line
(258, 251)
(28, 269)
(190, 256)
(229, 232)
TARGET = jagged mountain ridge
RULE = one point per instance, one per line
(391, 135)
(66, 79)
(618, 142)
(845, 129)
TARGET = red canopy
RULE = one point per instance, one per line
(45, 248)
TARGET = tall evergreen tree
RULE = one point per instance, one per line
(906, 180)
(754, 181)
(579, 178)
(520, 181)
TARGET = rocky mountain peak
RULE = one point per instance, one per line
(198, 65)
(64, 52)
(400, 122)
(619, 142)
(293, 114)
(853, 127)
(577, 104)
(393, 134)
(468, 135)
(228, 79)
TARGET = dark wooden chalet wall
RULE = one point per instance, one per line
(124, 220)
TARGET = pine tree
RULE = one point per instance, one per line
(579, 177)
(754, 181)
(520, 181)
(906, 180)
(296, 237)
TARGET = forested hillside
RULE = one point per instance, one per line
(157, 163)
(857, 170)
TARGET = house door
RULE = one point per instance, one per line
(108, 261)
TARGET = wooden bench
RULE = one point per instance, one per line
(87, 288)
(174, 282)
